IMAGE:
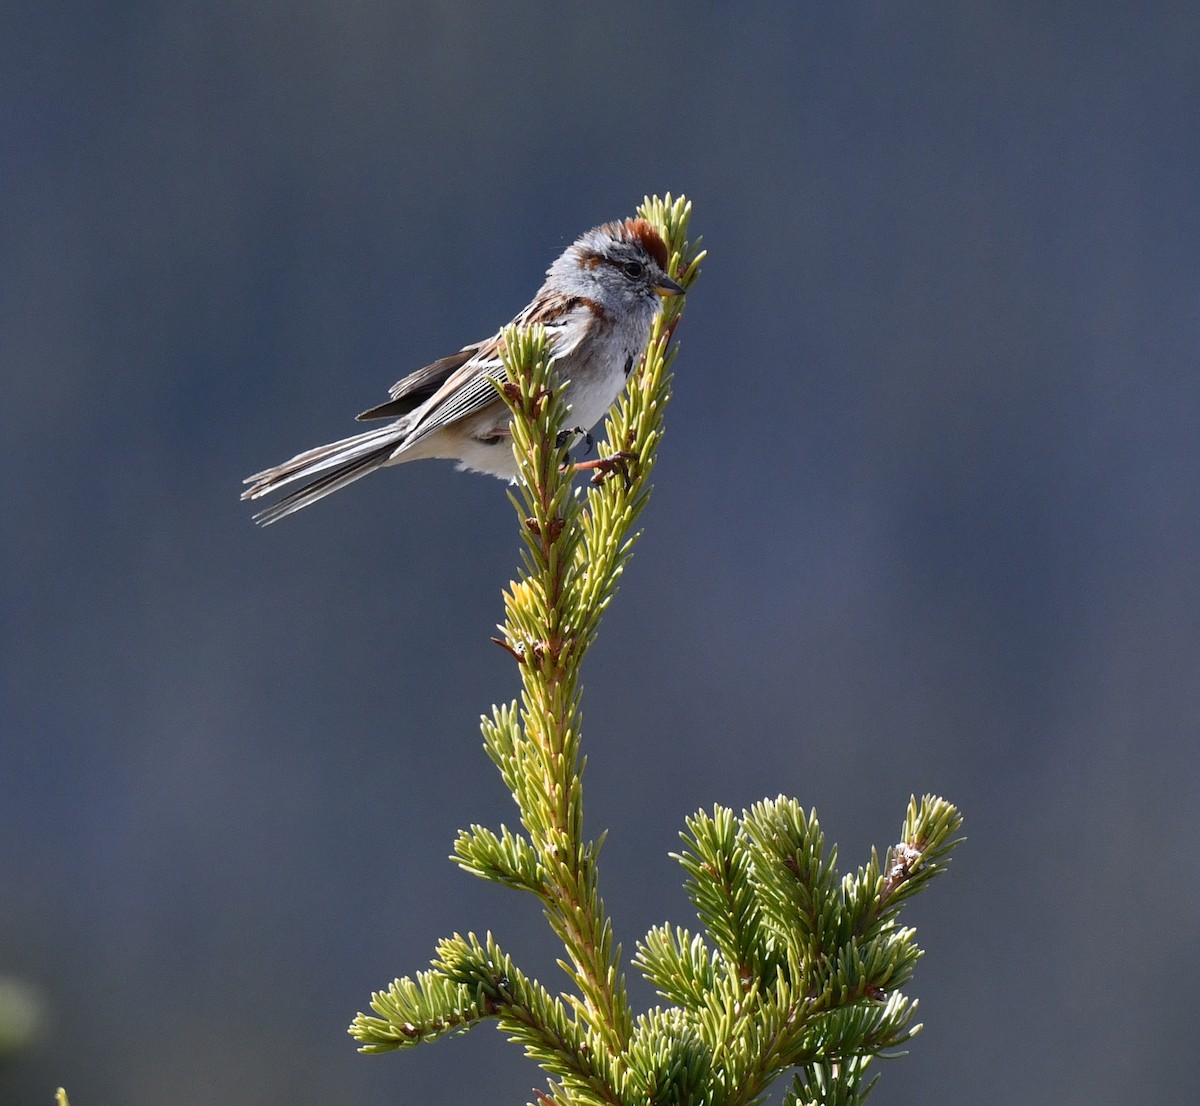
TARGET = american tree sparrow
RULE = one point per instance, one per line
(597, 304)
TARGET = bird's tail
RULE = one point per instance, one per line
(340, 463)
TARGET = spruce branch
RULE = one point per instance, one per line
(795, 969)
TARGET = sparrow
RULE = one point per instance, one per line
(597, 304)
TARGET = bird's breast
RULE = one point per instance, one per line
(598, 376)
(594, 385)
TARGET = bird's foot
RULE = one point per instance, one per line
(566, 437)
(604, 467)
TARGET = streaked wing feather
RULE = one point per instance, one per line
(468, 389)
(466, 392)
(408, 394)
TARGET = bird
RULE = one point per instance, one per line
(597, 305)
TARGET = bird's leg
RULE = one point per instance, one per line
(603, 467)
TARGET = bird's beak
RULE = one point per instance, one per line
(665, 286)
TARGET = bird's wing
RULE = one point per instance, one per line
(469, 387)
(464, 392)
(408, 394)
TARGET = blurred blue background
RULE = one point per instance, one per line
(925, 519)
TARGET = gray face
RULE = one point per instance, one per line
(627, 271)
(614, 269)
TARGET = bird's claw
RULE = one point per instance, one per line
(565, 437)
(606, 466)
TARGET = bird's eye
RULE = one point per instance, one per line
(634, 269)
